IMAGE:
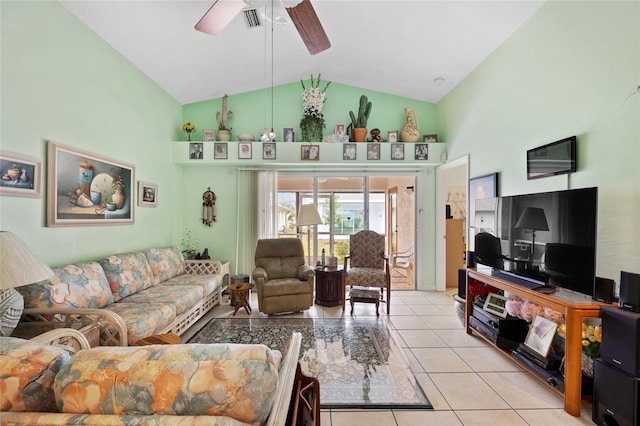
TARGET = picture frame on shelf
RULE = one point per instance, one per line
(485, 186)
(373, 151)
(245, 150)
(310, 152)
(269, 151)
(208, 135)
(147, 194)
(349, 151)
(392, 136)
(430, 138)
(220, 151)
(340, 129)
(496, 304)
(421, 152)
(88, 189)
(196, 151)
(397, 151)
(288, 134)
(20, 175)
(540, 335)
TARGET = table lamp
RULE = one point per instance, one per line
(308, 217)
(533, 219)
(19, 267)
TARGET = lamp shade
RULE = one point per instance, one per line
(533, 218)
(19, 265)
(309, 215)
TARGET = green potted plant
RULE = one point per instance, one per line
(224, 132)
(359, 122)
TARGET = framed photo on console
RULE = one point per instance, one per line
(540, 336)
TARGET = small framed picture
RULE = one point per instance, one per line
(422, 151)
(195, 151)
(373, 151)
(496, 304)
(310, 152)
(269, 151)
(397, 151)
(147, 194)
(244, 150)
(540, 336)
(20, 175)
(288, 134)
(220, 151)
(349, 151)
(340, 129)
(208, 135)
(392, 136)
(430, 138)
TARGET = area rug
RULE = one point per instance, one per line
(358, 363)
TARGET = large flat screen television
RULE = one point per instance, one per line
(555, 158)
(542, 240)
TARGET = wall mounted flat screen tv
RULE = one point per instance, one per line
(556, 158)
(543, 240)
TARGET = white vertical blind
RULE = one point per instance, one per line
(246, 231)
(267, 204)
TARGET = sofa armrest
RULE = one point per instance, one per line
(305, 273)
(68, 339)
(286, 382)
(70, 317)
(260, 275)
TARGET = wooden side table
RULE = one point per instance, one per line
(241, 292)
(159, 339)
(329, 286)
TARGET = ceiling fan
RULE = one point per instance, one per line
(302, 14)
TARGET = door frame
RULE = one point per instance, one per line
(441, 195)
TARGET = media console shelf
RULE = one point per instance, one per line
(575, 307)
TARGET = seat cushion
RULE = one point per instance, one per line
(208, 283)
(77, 285)
(142, 319)
(238, 381)
(366, 277)
(27, 372)
(182, 297)
(285, 286)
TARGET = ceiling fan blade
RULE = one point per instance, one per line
(308, 25)
(219, 15)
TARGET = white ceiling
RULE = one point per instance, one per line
(396, 47)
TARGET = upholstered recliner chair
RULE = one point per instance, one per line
(283, 282)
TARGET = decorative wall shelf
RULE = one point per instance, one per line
(288, 154)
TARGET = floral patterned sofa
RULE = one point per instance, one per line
(195, 384)
(129, 296)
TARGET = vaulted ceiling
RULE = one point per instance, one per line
(418, 49)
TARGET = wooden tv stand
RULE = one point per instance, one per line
(576, 308)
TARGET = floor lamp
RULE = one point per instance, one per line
(309, 216)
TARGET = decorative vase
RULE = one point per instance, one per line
(118, 198)
(359, 134)
(224, 135)
(587, 365)
(189, 136)
(410, 132)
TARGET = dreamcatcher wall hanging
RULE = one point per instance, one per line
(208, 207)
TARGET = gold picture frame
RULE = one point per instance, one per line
(309, 152)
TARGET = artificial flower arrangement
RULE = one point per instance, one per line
(527, 310)
(188, 127)
(189, 245)
(313, 100)
(480, 289)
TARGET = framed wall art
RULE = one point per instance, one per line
(195, 151)
(397, 151)
(349, 151)
(310, 152)
(373, 151)
(147, 194)
(20, 175)
(421, 151)
(244, 150)
(220, 151)
(485, 186)
(87, 189)
(208, 135)
(269, 151)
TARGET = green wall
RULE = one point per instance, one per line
(252, 111)
(568, 71)
(61, 82)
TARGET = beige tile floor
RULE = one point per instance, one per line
(467, 381)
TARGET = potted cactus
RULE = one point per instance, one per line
(224, 132)
(359, 122)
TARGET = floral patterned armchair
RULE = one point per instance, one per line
(367, 265)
